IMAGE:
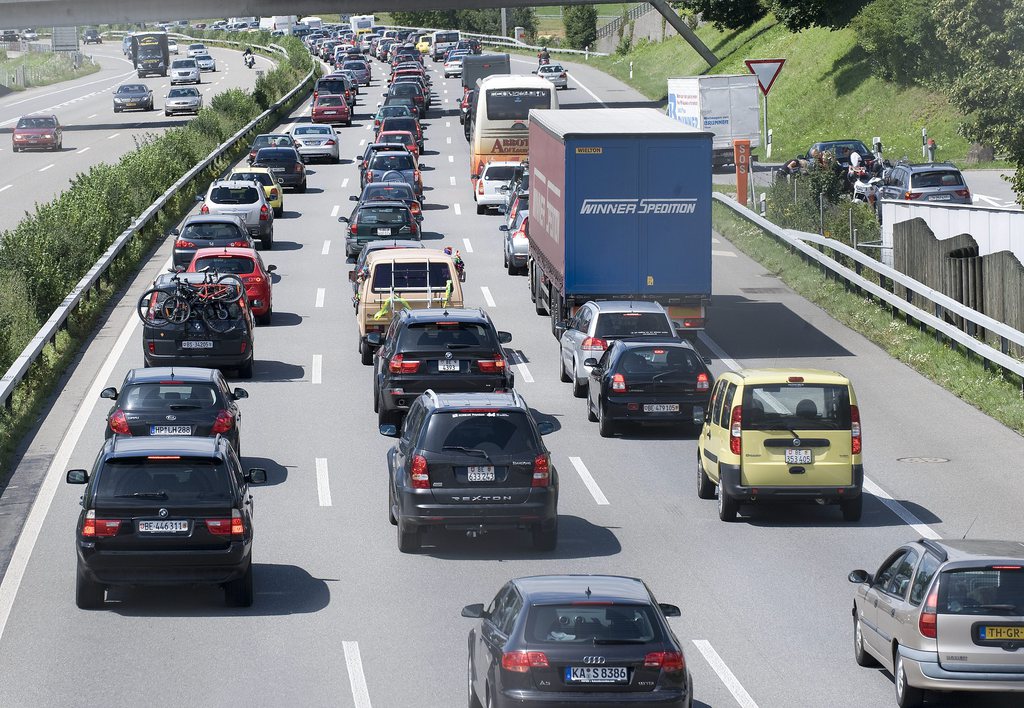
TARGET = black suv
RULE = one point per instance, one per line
(454, 350)
(471, 462)
(165, 511)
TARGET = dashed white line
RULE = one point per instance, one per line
(318, 363)
(524, 372)
(326, 249)
(208, 90)
(452, 180)
(487, 296)
(111, 137)
(163, 85)
(469, 246)
(589, 481)
(447, 124)
(727, 676)
(344, 183)
(458, 209)
(368, 126)
(334, 211)
(451, 158)
(362, 142)
(320, 293)
(6, 187)
(448, 140)
(92, 116)
(81, 150)
(356, 679)
(323, 482)
(44, 169)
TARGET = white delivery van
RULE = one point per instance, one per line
(726, 105)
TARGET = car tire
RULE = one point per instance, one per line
(579, 390)
(391, 506)
(605, 426)
(278, 212)
(408, 540)
(267, 244)
(376, 399)
(245, 370)
(301, 189)
(545, 536)
(860, 655)
(166, 114)
(88, 595)
(116, 109)
(15, 149)
(728, 507)
(365, 351)
(906, 696)
(705, 487)
(471, 698)
(852, 508)
(481, 209)
(238, 593)
(563, 375)
(265, 319)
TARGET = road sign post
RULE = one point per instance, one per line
(741, 157)
(766, 71)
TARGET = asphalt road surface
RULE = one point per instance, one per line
(341, 618)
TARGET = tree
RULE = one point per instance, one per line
(801, 14)
(985, 37)
(438, 19)
(728, 14)
(580, 25)
(900, 41)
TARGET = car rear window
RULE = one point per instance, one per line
(383, 215)
(657, 360)
(330, 100)
(515, 103)
(500, 173)
(260, 177)
(420, 275)
(235, 195)
(313, 130)
(632, 324)
(424, 336)
(400, 123)
(236, 265)
(183, 395)
(211, 231)
(276, 140)
(188, 479)
(392, 161)
(354, 66)
(399, 138)
(388, 190)
(592, 623)
(493, 431)
(523, 202)
(982, 591)
(330, 86)
(787, 406)
(405, 89)
(937, 178)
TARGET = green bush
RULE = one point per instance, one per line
(900, 41)
(794, 204)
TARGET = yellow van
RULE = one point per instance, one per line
(781, 435)
(402, 278)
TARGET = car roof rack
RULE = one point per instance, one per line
(935, 548)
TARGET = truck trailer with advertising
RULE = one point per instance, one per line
(620, 209)
(149, 53)
(725, 105)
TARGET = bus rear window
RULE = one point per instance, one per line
(515, 104)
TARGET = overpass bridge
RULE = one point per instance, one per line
(68, 13)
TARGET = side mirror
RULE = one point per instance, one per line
(503, 227)
(373, 338)
(178, 269)
(353, 276)
(590, 361)
(698, 415)
(353, 198)
(546, 427)
(560, 328)
(239, 393)
(343, 219)
(257, 475)
(390, 431)
(76, 477)
(856, 576)
(669, 610)
(271, 268)
(199, 198)
(174, 232)
(476, 611)
(534, 71)
(110, 393)
(504, 337)
(706, 360)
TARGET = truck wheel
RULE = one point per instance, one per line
(554, 308)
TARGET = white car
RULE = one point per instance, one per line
(172, 46)
(29, 35)
(555, 73)
(185, 71)
(196, 49)
(453, 67)
(206, 62)
(183, 100)
(488, 188)
(316, 141)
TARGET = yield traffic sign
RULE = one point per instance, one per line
(766, 71)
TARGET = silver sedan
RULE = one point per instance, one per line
(517, 242)
(206, 63)
(555, 73)
(183, 100)
(316, 141)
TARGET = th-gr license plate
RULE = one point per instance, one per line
(798, 457)
(163, 526)
(661, 408)
(448, 365)
(596, 674)
(196, 344)
(484, 473)
(170, 430)
(996, 633)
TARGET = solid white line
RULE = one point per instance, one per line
(6, 187)
(81, 150)
(323, 482)
(452, 180)
(458, 209)
(727, 676)
(451, 158)
(326, 249)
(111, 137)
(524, 372)
(92, 116)
(318, 362)
(334, 211)
(727, 254)
(469, 246)
(320, 293)
(487, 296)
(901, 511)
(584, 473)
(356, 679)
(715, 240)
(718, 351)
(44, 169)
(344, 183)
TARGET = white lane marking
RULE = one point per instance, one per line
(368, 126)
(81, 150)
(111, 137)
(448, 140)
(323, 482)
(69, 88)
(718, 351)
(727, 676)
(901, 511)
(446, 100)
(320, 293)
(458, 209)
(356, 678)
(344, 183)
(44, 498)
(726, 254)
(446, 90)
(452, 180)
(326, 249)
(487, 296)
(362, 142)
(589, 481)
(451, 158)
(518, 362)
(44, 169)
(318, 363)
(6, 187)
(334, 211)
(469, 246)
(209, 89)
(991, 201)
(715, 240)
(92, 116)
(163, 85)
(447, 124)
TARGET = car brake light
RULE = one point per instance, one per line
(329, 142)
(353, 228)
(693, 322)
(369, 176)
(416, 175)
(795, 379)
(562, 75)
(297, 167)
(965, 193)
(415, 208)
(521, 233)
(1006, 567)
(264, 213)
(927, 623)
(522, 661)
(204, 209)
(400, 365)
(594, 344)
(702, 382)
(225, 421)
(413, 229)
(491, 366)
(736, 431)
(234, 526)
(855, 440)
(253, 279)
(238, 244)
(912, 195)
(273, 193)
(619, 383)
(665, 660)
(99, 528)
(541, 471)
(480, 186)
(420, 474)
(119, 424)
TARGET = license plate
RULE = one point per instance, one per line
(448, 365)
(798, 457)
(170, 430)
(163, 526)
(481, 474)
(383, 232)
(661, 408)
(330, 113)
(596, 674)
(313, 143)
(196, 344)
(996, 633)
(939, 198)
(277, 169)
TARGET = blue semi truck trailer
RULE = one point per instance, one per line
(620, 209)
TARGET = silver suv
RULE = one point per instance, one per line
(185, 71)
(944, 616)
(587, 334)
(246, 200)
(926, 182)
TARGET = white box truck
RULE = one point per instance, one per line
(725, 105)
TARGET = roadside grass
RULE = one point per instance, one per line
(825, 90)
(45, 68)
(549, 19)
(991, 392)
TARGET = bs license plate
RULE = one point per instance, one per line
(196, 344)
(481, 474)
(170, 430)
(661, 408)
(997, 633)
(596, 674)
(448, 365)
(163, 526)
(383, 232)
(798, 457)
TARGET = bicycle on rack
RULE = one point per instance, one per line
(209, 298)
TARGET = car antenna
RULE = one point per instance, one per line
(969, 528)
(588, 592)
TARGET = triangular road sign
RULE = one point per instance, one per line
(766, 71)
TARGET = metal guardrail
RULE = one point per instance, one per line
(47, 334)
(634, 12)
(941, 304)
(496, 40)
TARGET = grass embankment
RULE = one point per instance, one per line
(43, 69)
(549, 19)
(966, 377)
(825, 91)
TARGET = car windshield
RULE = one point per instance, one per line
(936, 178)
(592, 623)
(131, 88)
(982, 591)
(184, 395)
(125, 481)
(384, 215)
(260, 177)
(236, 265)
(234, 195)
(411, 276)
(312, 130)
(495, 431)
(183, 93)
(667, 362)
(619, 325)
(500, 173)
(431, 336)
(183, 64)
(217, 231)
(392, 162)
(37, 123)
(796, 406)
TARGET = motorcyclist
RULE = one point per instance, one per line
(543, 57)
(248, 57)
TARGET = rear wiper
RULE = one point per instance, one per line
(467, 449)
(184, 406)
(450, 345)
(601, 640)
(1005, 609)
(142, 495)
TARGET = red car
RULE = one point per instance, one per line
(36, 132)
(400, 137)
(331, 109)
(247, 265)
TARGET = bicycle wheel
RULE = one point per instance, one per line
(175, 309)
(218, 317)
(233, 293)
(151, 314)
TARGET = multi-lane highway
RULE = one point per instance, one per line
(341, 618)
(93, 132)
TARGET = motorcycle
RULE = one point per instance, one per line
(543, 61)
(250, 61)
(460, 266)
(865, 184)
